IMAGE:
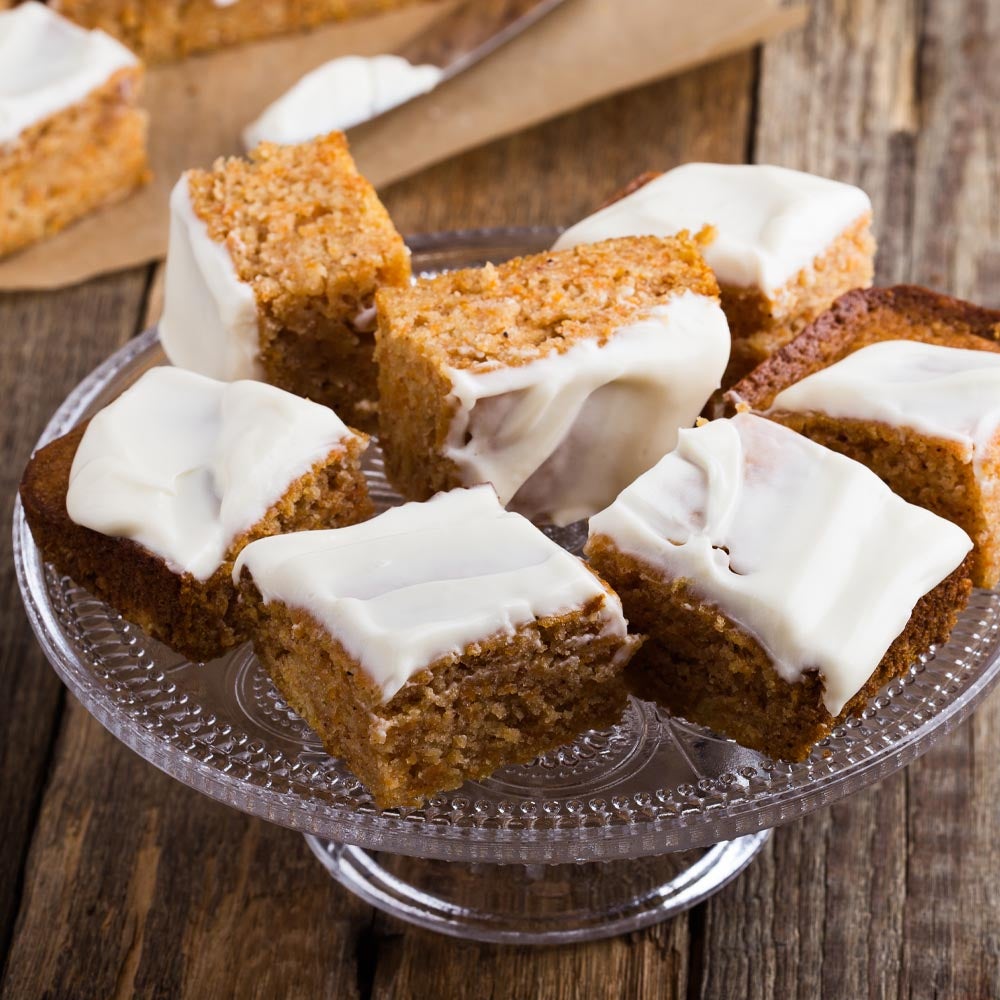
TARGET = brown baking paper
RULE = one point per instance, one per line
(585, 50)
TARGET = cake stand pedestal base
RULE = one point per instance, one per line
(536, 904)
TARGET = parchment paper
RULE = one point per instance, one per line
(586, 50)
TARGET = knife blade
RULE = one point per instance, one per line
(472, 31)
(355, 90)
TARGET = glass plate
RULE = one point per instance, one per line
(648, 786)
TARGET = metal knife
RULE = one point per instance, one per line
(352, 91)
(472, 31)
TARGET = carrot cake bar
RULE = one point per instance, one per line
(169, 29)
(908, 382)
(436, 642)
(149, 503)
(272, 271)
(558, 378)
(72, 137)
(786, 243)
(781, 584)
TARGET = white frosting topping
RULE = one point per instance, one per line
(944, 392)
(770, 221)
(560, 437)
(425, 580)
(807, 550)
(183, 464)
(339, 95)
(48, 64)
(209, 321)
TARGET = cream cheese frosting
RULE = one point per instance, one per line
(807, 550)
(48, 64)
(944, 392)
(209, 323)
(770, 222)
(560, 437)
(339, 95)
(425, 580)
(184, 465)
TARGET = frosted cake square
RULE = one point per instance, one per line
(148, 504)
(781, 585)
(906, 381)
(786, 243)
(437, 641)
(558, 377)
(72, 137)
(272, 271)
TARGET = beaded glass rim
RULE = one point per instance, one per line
(650, 785)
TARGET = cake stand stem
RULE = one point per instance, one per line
(536, 904)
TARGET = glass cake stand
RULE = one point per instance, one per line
(616, 831)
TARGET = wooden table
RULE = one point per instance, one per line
(116, 880)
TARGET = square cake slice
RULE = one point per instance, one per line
(437, 641)
(558, 378)
(72, 137)
(786, 244)
(272, 271)
(149, 503)
(908, 382)
(780, 584)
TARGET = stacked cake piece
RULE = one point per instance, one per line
(437, 641)
(150, 502)
(908, 382)
(782, 243)
(772, 580)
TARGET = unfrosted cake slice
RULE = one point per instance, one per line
(558, 378)
(780, 584)
(149, 503)
(436, 642)
(908, 382)
(786, 243)
(169, 29)
(272, 271)
(72, 137)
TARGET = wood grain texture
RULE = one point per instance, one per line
(953, 794)
(893, 893)
(135, 885)
(48, 344)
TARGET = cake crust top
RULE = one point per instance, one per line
(808, 551)
(529, 307)
(867, 316)
(301, 225)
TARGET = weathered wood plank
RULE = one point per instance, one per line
(138, 886)
(821, 914)
(891, 893)
(47, 344)
(558, 172)
(952, 918)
